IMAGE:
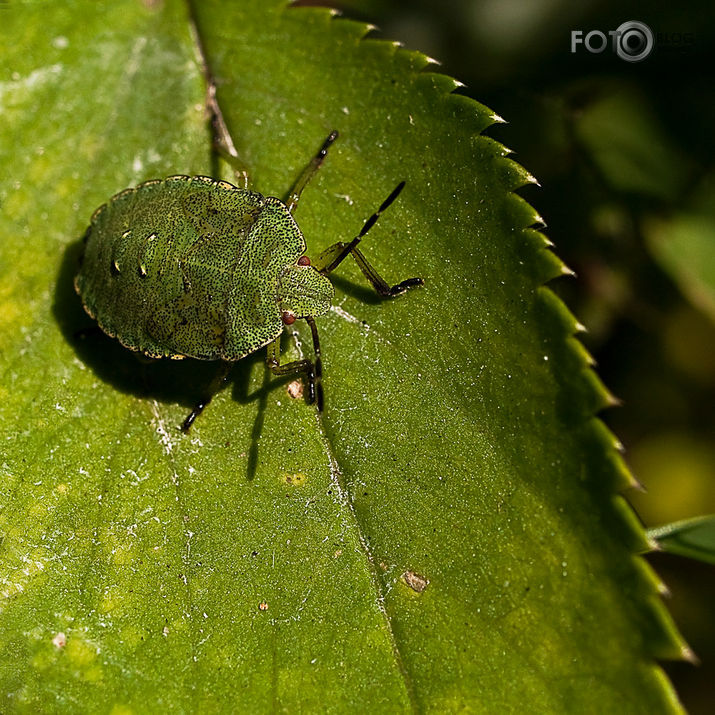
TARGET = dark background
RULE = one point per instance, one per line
(623, 151)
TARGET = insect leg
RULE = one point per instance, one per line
(214, 387)
(313, 370)
(309, 172)
(223, 143)
(333, 256)
(239, 168)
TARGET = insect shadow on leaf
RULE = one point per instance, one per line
(172, 381)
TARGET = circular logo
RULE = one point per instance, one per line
(634, 41)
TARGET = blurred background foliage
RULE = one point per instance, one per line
(624, 155)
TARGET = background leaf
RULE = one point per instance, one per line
(683, 245)
(694, 538)
(446, 536)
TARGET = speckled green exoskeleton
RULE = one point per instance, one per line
(196, 267)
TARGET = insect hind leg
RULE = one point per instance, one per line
(313, 369)
(216, 384)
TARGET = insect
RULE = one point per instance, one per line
(190, 266)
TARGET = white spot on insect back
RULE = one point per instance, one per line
(137, 164)
(60, 42)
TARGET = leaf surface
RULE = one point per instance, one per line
(446, 536)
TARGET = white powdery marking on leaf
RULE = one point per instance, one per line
(295, 616)
(126, 82)
(347, 316)
(134, 62)
(35, 78)
(393, 574)
(17, 578)
(164, 435)
(142, 160)
(342, 497)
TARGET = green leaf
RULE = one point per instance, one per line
(691, 537)
(628, 145)
(683, 245)
(447, 536)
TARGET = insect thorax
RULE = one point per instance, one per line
(302, 291)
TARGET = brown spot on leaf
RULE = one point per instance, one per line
(297, 479)
(295, 389)
(415, 581)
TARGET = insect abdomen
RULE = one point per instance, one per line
(158, 261)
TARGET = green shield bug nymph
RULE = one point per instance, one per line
(196, 267)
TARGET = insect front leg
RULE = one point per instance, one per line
(333, 256)
(309, 172)
(313, 369)
(223, 143)
(239, 168)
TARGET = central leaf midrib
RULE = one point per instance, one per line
(346, 500)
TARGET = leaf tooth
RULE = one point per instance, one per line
(654, 545)
(540, 223)
(688, 654)
(566, 271)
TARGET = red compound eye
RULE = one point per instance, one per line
(304, 261)
(288, 318)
